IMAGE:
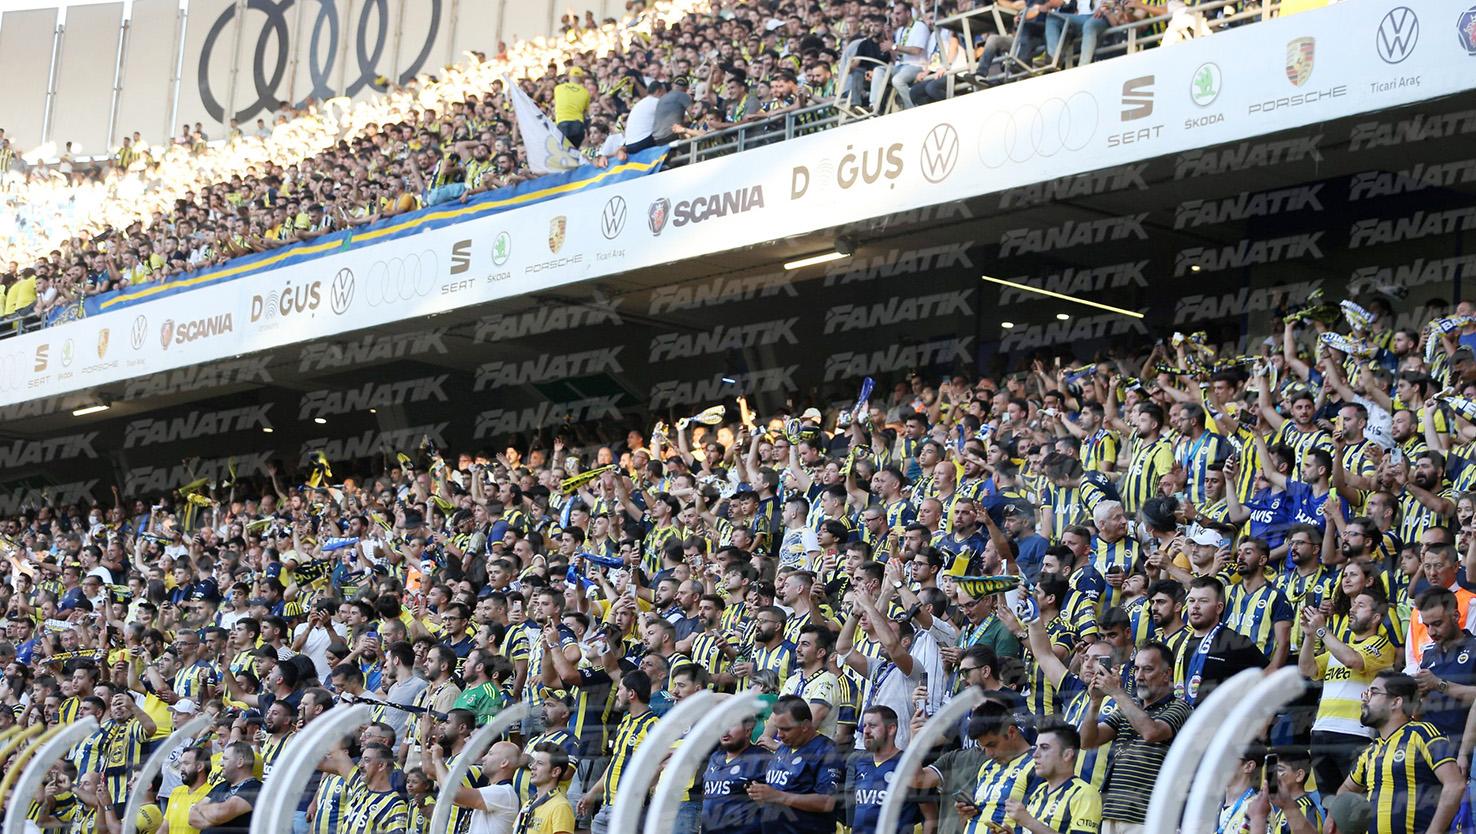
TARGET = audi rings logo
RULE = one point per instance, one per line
(273, 46)
(398, 280)
(139, 332)
(1038, 130)
(15, 369)
(341, 292)
(939, 152)
(612, 219)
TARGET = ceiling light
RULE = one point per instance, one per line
(267, 429)
(373, 411)
(319, 420)
(1195, 267)
(90, 409)
(816, 259)
(1037, 290)
(1007, 324)
(1062, 316)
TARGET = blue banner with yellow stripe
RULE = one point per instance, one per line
(411, 223)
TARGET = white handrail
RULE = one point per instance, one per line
(473, 750)
(155, 764)
(646, 763)
(695, 745)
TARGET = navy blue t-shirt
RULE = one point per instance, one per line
(1272, 513)
(725, 803)
(1458, 665)
(869, 785)
(811, 769)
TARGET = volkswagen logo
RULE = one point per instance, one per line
(939, 152)
(1398, 33)
(139, 332)
(341, 293)
(612, 219)
(398, 280)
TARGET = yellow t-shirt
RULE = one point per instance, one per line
(1342, 687)
(570, 102)
(181, 800)
(552, 816)
(21, 295)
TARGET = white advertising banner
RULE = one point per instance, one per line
(1332, 63)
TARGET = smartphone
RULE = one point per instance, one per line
(1105, 663)
(961, 796)
(1273, 786)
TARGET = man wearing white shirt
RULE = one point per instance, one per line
(494, 807)
(909, 54)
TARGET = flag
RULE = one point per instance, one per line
(548, 150)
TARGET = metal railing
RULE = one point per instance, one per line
(1126, 39)
(755, 134)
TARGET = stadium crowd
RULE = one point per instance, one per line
(1151, 529)
(676, 70)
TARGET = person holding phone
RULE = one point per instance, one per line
(1283, 806)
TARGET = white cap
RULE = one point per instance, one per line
(1207, 536)
(184, 706)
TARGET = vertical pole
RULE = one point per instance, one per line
(58, 32)
(230, 109)
(122, 52)
(181, 19)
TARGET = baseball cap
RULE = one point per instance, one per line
(811, 414)
(1350, 812)
(184, 706)
(1207, 536)
(1463, 354)
(576, 72)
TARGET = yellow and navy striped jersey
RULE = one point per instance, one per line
(653, 547)
(848, 698)
(1256, 613)
(1302, 591)
(124, 741)
(1302, 441)
(271, 748)
(708, 651)
(1151, 461)
(91, 753)
(793, 625)
(68, 709)
(378, 812)
(779, 660)
(192, 681)
(332, 798)
(1102, 447)
(1342, 687)
(522, 781)
(1073, 808)
(1196, 456)
(1178, 642)
(1140, 620)
(1040, 694)
(998, 783)
(1066, 509)
(628, 736)
(1399, 774)
(735, 616)
(1415, 518)
(515, 641)
(1123, 554)
(1307, 806)
(1091, 765)
(1217, 511)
